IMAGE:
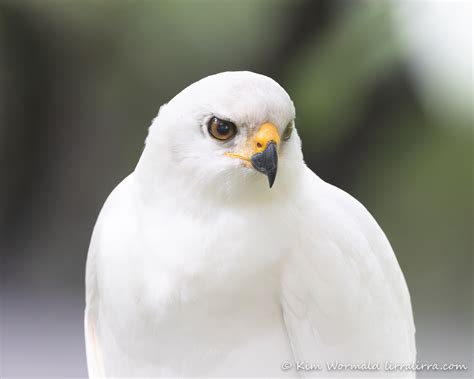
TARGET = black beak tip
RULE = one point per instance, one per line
(266, 162)
(271, 178)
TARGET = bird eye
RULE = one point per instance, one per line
(220, 129)
(287, 133)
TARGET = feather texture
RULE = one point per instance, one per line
(196, 268)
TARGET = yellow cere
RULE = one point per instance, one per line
(266, 133)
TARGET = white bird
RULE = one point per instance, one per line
(223, 254)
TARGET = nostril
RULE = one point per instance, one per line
(259, 145)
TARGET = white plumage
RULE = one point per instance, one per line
(197, 268)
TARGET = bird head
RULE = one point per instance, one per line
(232, 131)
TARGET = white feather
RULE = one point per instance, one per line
(197, 268)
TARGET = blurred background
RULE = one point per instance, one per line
(384, 98)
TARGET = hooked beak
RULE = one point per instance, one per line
(262, 151)
(266, 162)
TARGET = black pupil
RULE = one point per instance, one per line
(223, 128)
